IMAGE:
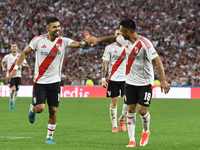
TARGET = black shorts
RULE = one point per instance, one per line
(15, 82)
(114, 87)
(138, 94)
(51, 92)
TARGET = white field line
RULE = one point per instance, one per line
(12, 138)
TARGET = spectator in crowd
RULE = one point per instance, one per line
(172, 26)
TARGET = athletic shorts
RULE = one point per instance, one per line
(138, 94)
(15, 82)
(49, 92)
(114, 87)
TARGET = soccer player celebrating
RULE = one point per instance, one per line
(114, 58)
(49, 50)
(9, 60)
(139, 75)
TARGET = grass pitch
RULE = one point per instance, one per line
(84, 124)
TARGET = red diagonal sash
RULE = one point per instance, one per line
(13, 65)
(118, 62)
(48, 60)
(132, 56)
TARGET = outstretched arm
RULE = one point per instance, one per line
(163, 84)
(76, 44)
(91, 39)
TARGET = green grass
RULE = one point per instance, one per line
(84, 124)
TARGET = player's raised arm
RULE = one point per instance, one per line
(22, 56)
(163, 84)
(91, 39)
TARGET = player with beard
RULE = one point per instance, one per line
(140, 53)
(49, 50)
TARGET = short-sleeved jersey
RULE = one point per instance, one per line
(11, 60)
(116, 56)
(139, 68)
(49, 58)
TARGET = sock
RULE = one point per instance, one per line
(124, 112)
(14, 96)
(113, 115)
(131, 122)
(145, 122)
(11, 95)
(51, 128)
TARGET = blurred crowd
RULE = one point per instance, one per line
(173, 26)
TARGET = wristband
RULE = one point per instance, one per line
(16, 67)
(103, 79)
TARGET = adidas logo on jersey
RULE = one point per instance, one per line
(44, 46)
(115, 51)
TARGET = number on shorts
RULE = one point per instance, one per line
(147, 98)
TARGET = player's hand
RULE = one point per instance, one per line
(164, 86)
(11, 75)
(3, 69)
(104, 84)
(89, 39)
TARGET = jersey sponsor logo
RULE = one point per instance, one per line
(115, 51)
(132, 55)
(44, 46)
(50, 53)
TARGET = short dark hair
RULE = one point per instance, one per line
(128, 23)
(51, 20)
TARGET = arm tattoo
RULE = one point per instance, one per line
(83, 44)
(104, 69)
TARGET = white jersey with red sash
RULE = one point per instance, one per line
(117, 64)
(10, 62)
(49, 58)
(139, 68)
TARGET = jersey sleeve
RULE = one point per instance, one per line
(67, 41)
(5, 58)
(120, 39)
(33, 43)
(151, 52)
(106, 54)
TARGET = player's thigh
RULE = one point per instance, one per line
(132, 94)
(39, 94)
(112, 90)
(17, 83)
(11, 83)
(145, 94)
(53, 94)
(121, 86)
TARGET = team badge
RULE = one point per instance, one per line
(136, 50)
(58, 46)
(34, 100)
(109, 93)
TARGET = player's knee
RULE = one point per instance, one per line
(142, 112)
(39, 109)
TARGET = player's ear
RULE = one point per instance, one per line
(47, 28)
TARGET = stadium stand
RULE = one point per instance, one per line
(173, 26)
